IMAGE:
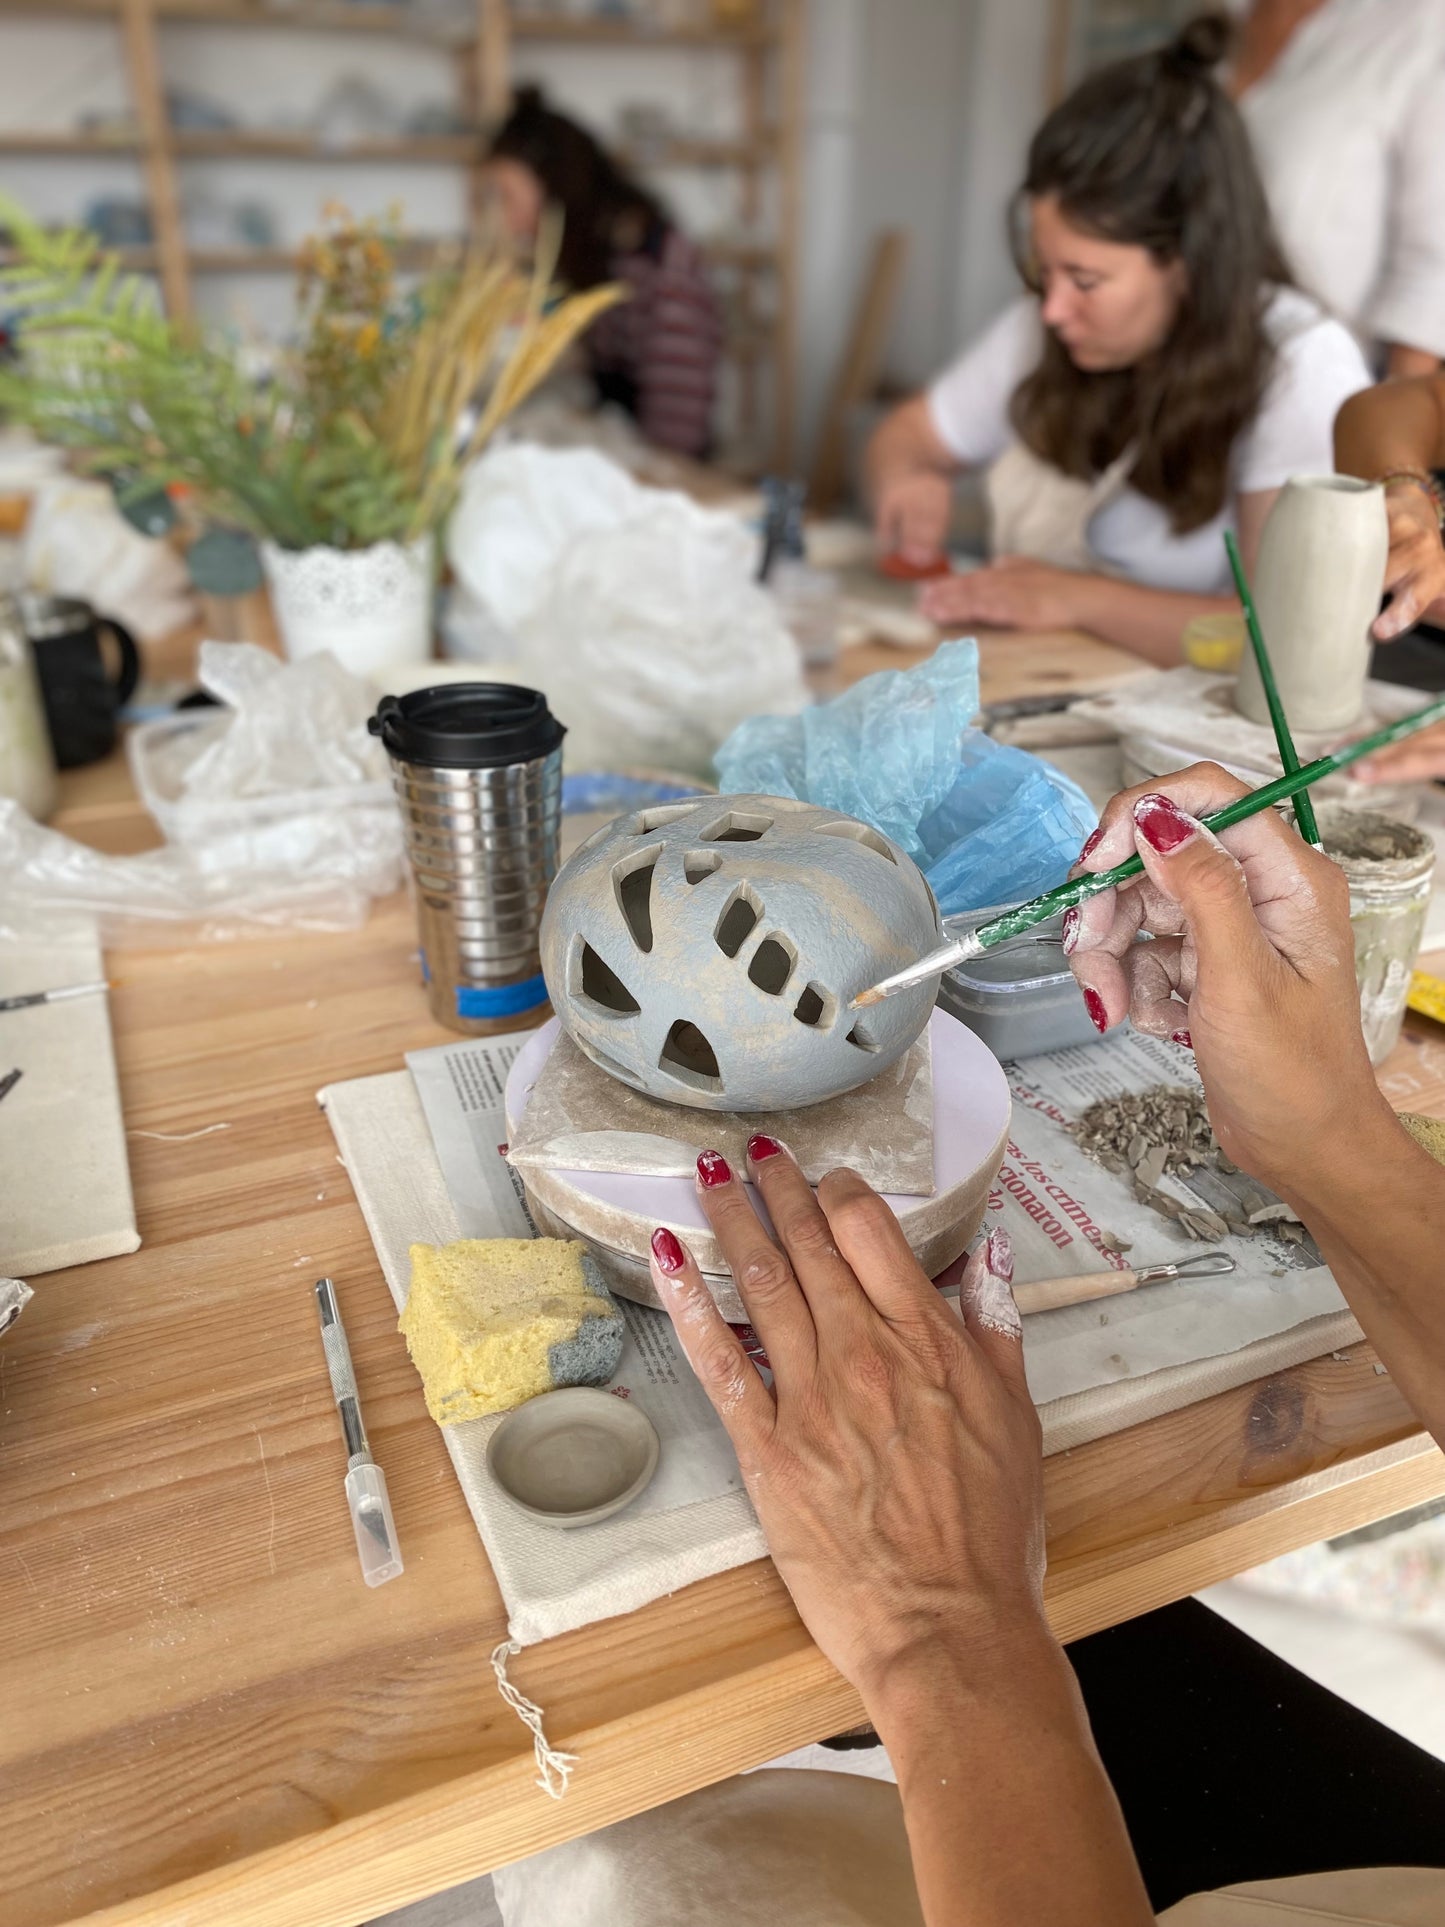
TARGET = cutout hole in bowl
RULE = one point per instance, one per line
(689, 1057)
(862, 1036)
(738, 920)
(698, 865)
(859, 833)
(600, 983)
(772, 965)
(815, 1007)
(737, 826)
(632, 880)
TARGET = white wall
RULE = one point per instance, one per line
(916, 115)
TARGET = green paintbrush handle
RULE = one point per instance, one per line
(1289, 759)
(1014, 922)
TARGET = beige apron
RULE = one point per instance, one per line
(830, 1850)
(1037, 511)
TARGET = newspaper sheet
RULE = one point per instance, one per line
(462, 1090)
(1058, 1205)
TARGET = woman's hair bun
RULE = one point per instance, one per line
(529, 99)
(1200, 45)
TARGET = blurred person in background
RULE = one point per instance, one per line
(1345, 105)
(1159, 383)
(656, 354)
(1395, 434)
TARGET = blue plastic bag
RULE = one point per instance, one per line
(984, 822)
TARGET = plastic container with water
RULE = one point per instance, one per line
(1020, 999)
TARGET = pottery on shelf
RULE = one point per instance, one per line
(1317, 589)
(707, 952)
(370, 607)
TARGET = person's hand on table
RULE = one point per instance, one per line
(912, 515)
(1010, 592)
(895, 1464)
(1252, 964)
(1415, 567)
(895, 1468)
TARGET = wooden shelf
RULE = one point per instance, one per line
(318, 16)
(75, 141)
(638, 33)
(674, 152)
(42, 9)
(410, 254)
(259, 144)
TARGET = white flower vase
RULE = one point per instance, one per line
(1317, 589)
(371, 608)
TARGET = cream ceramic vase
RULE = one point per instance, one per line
(1317, 588)
(371, 608)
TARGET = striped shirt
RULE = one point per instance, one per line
(657, 353)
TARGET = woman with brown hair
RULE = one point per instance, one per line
(656, 354)
(1157, 386)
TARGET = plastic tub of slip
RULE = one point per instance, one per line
(1021, 1000)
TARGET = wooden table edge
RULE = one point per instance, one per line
(400, 1852)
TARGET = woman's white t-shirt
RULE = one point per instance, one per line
(1348, 128)
(1318, 366)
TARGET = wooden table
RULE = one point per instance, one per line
(206, 1718)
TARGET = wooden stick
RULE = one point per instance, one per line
(1052, 1294)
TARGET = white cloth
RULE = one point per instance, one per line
(1348, 127)
(830, 1850)
(551, 1582)
(1318, 367)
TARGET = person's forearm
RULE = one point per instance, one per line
(1374, 1202)
(900, 447)
(1399, 425)
(1010, 1814)
(1151, 622)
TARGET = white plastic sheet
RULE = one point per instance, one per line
(634, 609)
(278, 810)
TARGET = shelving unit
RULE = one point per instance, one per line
(768, 53)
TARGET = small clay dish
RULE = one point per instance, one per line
(573, 1457)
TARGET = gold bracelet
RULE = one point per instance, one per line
(1422, 479)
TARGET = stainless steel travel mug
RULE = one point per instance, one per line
(478, 773)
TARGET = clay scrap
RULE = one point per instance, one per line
(1147, 1136)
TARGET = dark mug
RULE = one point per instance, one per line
(82, 698)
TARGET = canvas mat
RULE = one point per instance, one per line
(553, 1582)
(66, 1196)
(580, 1119)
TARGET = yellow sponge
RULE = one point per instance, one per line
(491, 1322)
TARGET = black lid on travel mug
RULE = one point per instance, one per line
(467, 725)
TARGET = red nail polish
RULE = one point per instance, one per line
(1070, 932)
(1181, 1037)
(713, 1169)
(1094, 1004)
(668, 1252)
(761, 1147)
(1092, 842)
(1162, 824)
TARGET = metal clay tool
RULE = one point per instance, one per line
(9, 1081)
(1013, 923)
(1050, 1294)
(366, 1493)
(1304, 810)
